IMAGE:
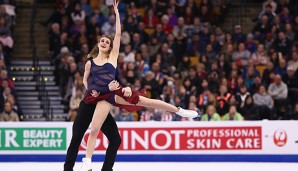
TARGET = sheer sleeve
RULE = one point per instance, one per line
(119, 77)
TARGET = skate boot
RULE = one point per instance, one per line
(187, 113)
(86, 165)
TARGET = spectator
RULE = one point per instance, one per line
(263, 27)
(74, 104)
(279, 92)
(86, 7)
(80, 38)
(285, 16)
(180, 27)
(109, 27)
(136, 41)
(5, 33)
(238, 36)
(8, 17)
(290, 34)
(147, 115)
(56, 16)
(168, 60)
(241, 96)
(141, 64)
(241, 56)
(5, 61)
(124, 116)
(269, 12)
(65, 25)
(172, 17)
(232, 81)
(223, 99)
(277, 24)
(282, 44)
(250, 43)
(203, 99)
(223, 64)
(4, 76)
(144, 37)
(78, 14)
(281, 69)
(159, 33)
(262, 98)
(294, 61)
(100, 16)
(150, 84)
(268, 74)
(165, 21)
(15, 106)
(232, 115)
(250, 111)
(211, 114)
(54, 38)
(8, 115)
(272, 3)
(196, 46)
(260, 57)
(129, 24)
(150, 19)
(153, 47)
(291, 80)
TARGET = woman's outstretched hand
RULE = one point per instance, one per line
(116, 3)
(127, 91)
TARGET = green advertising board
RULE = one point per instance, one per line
(32, 138)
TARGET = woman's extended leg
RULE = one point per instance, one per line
(100, 114)
(158, 104)
(101, 111)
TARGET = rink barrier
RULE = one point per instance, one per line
(247, 141)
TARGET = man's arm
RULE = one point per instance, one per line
(118, 77)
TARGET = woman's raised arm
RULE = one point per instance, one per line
(116, 43)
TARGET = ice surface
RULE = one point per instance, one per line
(155, 166)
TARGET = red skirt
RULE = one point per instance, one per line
(133, 99)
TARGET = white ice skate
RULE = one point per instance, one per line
(86, 165)
(187, 113)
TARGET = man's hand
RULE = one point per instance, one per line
(114, 85)
(127, 91)
(94, 93)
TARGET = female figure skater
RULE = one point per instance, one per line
(109, 129)
(102, 69)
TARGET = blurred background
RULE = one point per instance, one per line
(231, 60)
(198, 54)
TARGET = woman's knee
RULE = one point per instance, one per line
(94, 131)
(146, 102)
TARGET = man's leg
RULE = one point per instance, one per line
(80, 125)
(110, 129)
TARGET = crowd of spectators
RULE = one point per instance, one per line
(177, 50)
(9, 110)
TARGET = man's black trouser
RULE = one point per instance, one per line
(80, 125)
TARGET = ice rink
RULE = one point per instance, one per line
(157, 166)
